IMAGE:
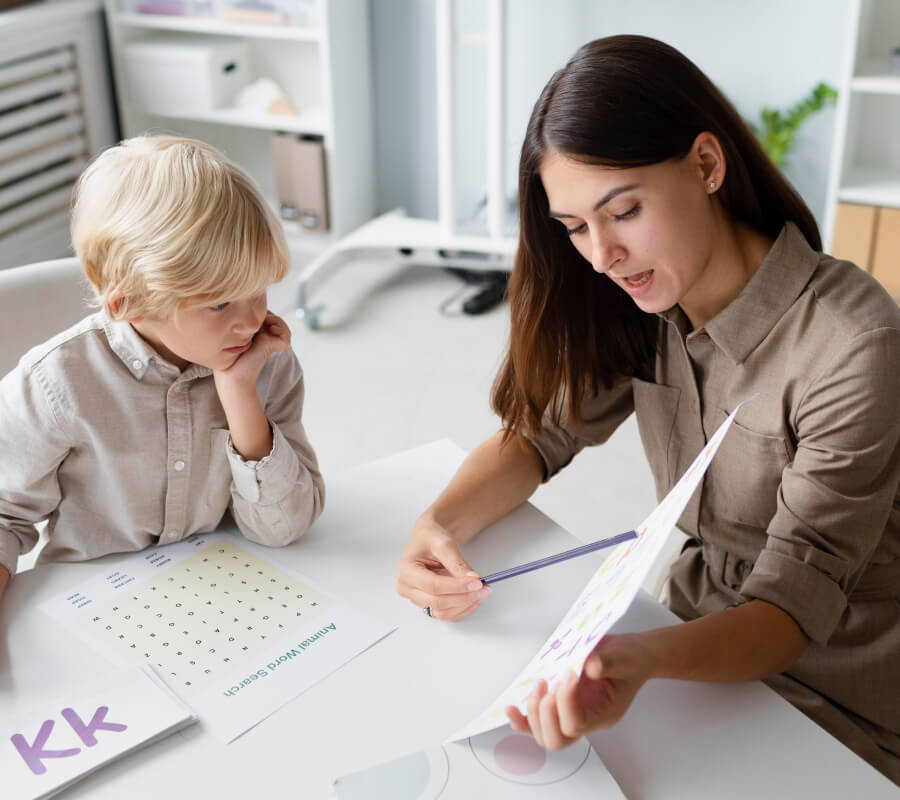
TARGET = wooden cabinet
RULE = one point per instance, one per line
(885, 265)
(869, 236)
(854, 233)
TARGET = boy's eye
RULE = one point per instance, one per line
(219, 307)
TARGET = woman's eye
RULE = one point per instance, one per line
(577, 229)
(630, 213)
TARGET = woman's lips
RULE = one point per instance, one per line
(639, 283)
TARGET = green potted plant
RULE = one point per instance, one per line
(779, 128)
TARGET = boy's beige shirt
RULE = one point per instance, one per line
(801, 505)
(118, 449)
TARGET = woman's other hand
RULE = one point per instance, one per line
(613, 674)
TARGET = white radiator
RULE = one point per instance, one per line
(55, 112)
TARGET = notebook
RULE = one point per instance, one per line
(88, 726)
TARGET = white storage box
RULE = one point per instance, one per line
(177, 77)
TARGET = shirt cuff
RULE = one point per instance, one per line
(802, 582)
(268, 480)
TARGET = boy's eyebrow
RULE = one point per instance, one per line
(602, 201)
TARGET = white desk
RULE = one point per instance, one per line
(429, 678)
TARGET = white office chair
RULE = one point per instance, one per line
(36, 302)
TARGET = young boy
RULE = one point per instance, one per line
(181, 398)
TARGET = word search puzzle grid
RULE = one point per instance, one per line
(229, 631)
(205, 615)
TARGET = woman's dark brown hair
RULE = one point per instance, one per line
(622, 101)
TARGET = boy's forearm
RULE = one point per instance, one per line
(748, 642)
(251, 434)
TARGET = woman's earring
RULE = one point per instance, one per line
(712, 184)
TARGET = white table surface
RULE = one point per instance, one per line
(424, 681)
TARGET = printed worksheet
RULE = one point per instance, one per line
(605, 598)
(498, 764)
(232, 634)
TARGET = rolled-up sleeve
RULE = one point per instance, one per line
(32, 446)
(601, 413)
(275, 500)
(836, 495)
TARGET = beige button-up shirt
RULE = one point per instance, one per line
(118, 449)
(800, 507)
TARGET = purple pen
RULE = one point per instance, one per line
(555, 559)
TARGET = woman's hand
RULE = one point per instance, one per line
(432, 573)
(613, 674)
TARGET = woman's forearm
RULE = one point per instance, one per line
(4, 579)
(492, 481)
(747, 642)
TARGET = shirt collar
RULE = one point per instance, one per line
(781, 278)
(136, 353)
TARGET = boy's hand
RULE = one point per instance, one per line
(236, 386)
(273, 337)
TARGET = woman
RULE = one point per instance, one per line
(666, 267)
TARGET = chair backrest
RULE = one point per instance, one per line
(38, 301)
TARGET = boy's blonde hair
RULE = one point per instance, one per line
(174, 225)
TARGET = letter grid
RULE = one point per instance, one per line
(206, 615)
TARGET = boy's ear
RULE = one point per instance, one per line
(114, 303)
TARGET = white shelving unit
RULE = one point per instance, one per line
(438, 243)
(865, 166)
(325, 71)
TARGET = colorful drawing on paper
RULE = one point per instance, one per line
(233, 634)
(496, 764)
(605, 598)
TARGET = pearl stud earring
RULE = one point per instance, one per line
(712, 184)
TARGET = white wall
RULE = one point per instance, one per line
(765, 52)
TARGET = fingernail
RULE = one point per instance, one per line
(472, 574)
(473, 586)
(485, 591)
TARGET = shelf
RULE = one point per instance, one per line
(310, 122)
(876, 84)
(220, 27)
(871, 187)
(29, 16)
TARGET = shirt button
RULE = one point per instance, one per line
(179, 465)
(137, 363)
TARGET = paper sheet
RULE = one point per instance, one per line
(500, 764)
(230, 632)
(605, 598)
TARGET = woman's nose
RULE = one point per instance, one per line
(605, 254)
